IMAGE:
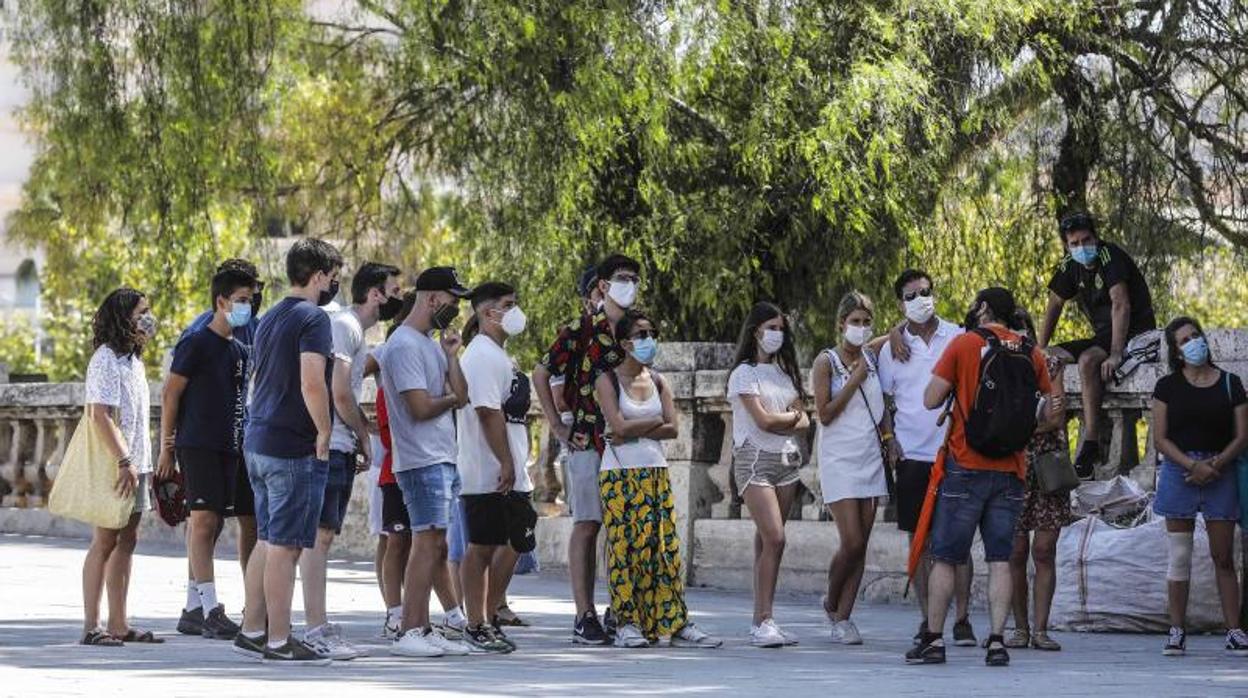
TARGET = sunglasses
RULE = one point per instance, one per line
(911, 295)
(646, 334)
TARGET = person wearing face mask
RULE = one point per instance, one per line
(287, 445)
(768, 416)
(117, 402)
(375, 296)
(202, 418)
(583, 351)
(1111, 292)
(493, 454)
(918, 437)
(639, 514)
(423, 383)
(854, 427)
(244, 510)
(1200, 427)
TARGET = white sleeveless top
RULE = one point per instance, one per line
(636, 453)
(850, 465)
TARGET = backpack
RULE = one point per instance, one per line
(1003, 416)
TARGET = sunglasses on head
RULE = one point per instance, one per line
(646, 334)
(911, 295)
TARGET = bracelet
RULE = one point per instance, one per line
(123, 462)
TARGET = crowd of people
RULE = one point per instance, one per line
(261, 421)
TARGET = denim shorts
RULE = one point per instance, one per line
(288, 495)
(457, 532)
(429, 494)
(969, 499)
(337, 490)
(1178, 499)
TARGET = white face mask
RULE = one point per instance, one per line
(857, 335)
(772, 341)
(514, 321)
(920, 309)
(623, 293)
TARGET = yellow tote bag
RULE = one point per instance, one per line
(84, 486)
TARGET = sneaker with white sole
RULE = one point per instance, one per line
(1176, 643)
(392, 629)
(327, 641)
(453, 625)
(292, 653)
(767, 634)
(482, 640)
(790, 639)
(450, 647)
(630, 636)
(416, 643)
(1237, 641)
(693, 636)
(844, 632)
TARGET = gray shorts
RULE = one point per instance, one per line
(581, 491)
(753, 466)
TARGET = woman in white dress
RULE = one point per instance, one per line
(853, 425)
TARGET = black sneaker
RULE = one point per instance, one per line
(482, 640)
(252, 649)
(192, 622)
(502, 636)
(609, 623)
(588, 630)
(218, 626)
(1176, 643)
(928, 651)
(293, 652)
(918, 637)
(1236, 641)
(963, 633)
(1085, 462)
(997, 654)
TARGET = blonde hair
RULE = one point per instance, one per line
(854, 300)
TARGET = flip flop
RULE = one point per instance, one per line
(99, 638)
(144, 637)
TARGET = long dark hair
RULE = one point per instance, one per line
(747, 345)
(1174, 356)
(112, 325)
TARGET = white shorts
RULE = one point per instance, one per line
(374, 490)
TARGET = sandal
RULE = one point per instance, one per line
(1040, 640)
(508, 617)
(99, 638)
(1019, 639)
(144, 637)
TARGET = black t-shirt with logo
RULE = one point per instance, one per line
(1090, 289)
(1200, 419)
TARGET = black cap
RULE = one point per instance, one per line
(615, 262)
(585, 284)
(521, 522)
(1000, 301)
(442, 279)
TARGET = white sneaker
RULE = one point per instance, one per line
(415, 643)
(449, 647)
(340, 648)
(630, 636)
(693, 636)
(454, 624)
(392, 630)
(790, 639)
(844, 632)
(767, 634)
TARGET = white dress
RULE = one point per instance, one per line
(850, 464)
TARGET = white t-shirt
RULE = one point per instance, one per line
(913, 424)
(119, 381)
(349, 347)
(493, 382)
(776, 392)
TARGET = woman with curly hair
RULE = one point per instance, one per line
(118, 402)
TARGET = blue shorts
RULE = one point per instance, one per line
(429, 493)
(1177, 499)
(457, 534)
(337, 490)
(987, 500)
(288, 495)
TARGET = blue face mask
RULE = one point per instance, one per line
(644, 350)
(1084, 254)
(239, 315)
(1196, 351)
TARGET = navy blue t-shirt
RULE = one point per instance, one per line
(279, 425)
(210, 416)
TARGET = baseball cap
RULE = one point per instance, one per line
(171, 499)
(521, 523)
(585, 284)
(442, 279)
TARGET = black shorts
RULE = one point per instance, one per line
(912, 480)
(393, 510)
(244, 497)
(1076, 347)
(211, 479)
(485, 517)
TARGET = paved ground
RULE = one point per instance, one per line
(40, 622)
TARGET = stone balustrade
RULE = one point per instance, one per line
(37, 420)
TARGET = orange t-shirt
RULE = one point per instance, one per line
(960, 366)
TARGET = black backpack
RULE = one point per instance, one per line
(1003, 416)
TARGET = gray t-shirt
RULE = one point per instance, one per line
(349, 347)
(410, 361)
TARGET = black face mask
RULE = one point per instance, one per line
(445, 315)
(388, 310)
(331, 294)
(256, 300)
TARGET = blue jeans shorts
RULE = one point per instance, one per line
(288, 494)
(975, 499)
(1178, 499)
(457, 534)
(429, 493)
(337, 490)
